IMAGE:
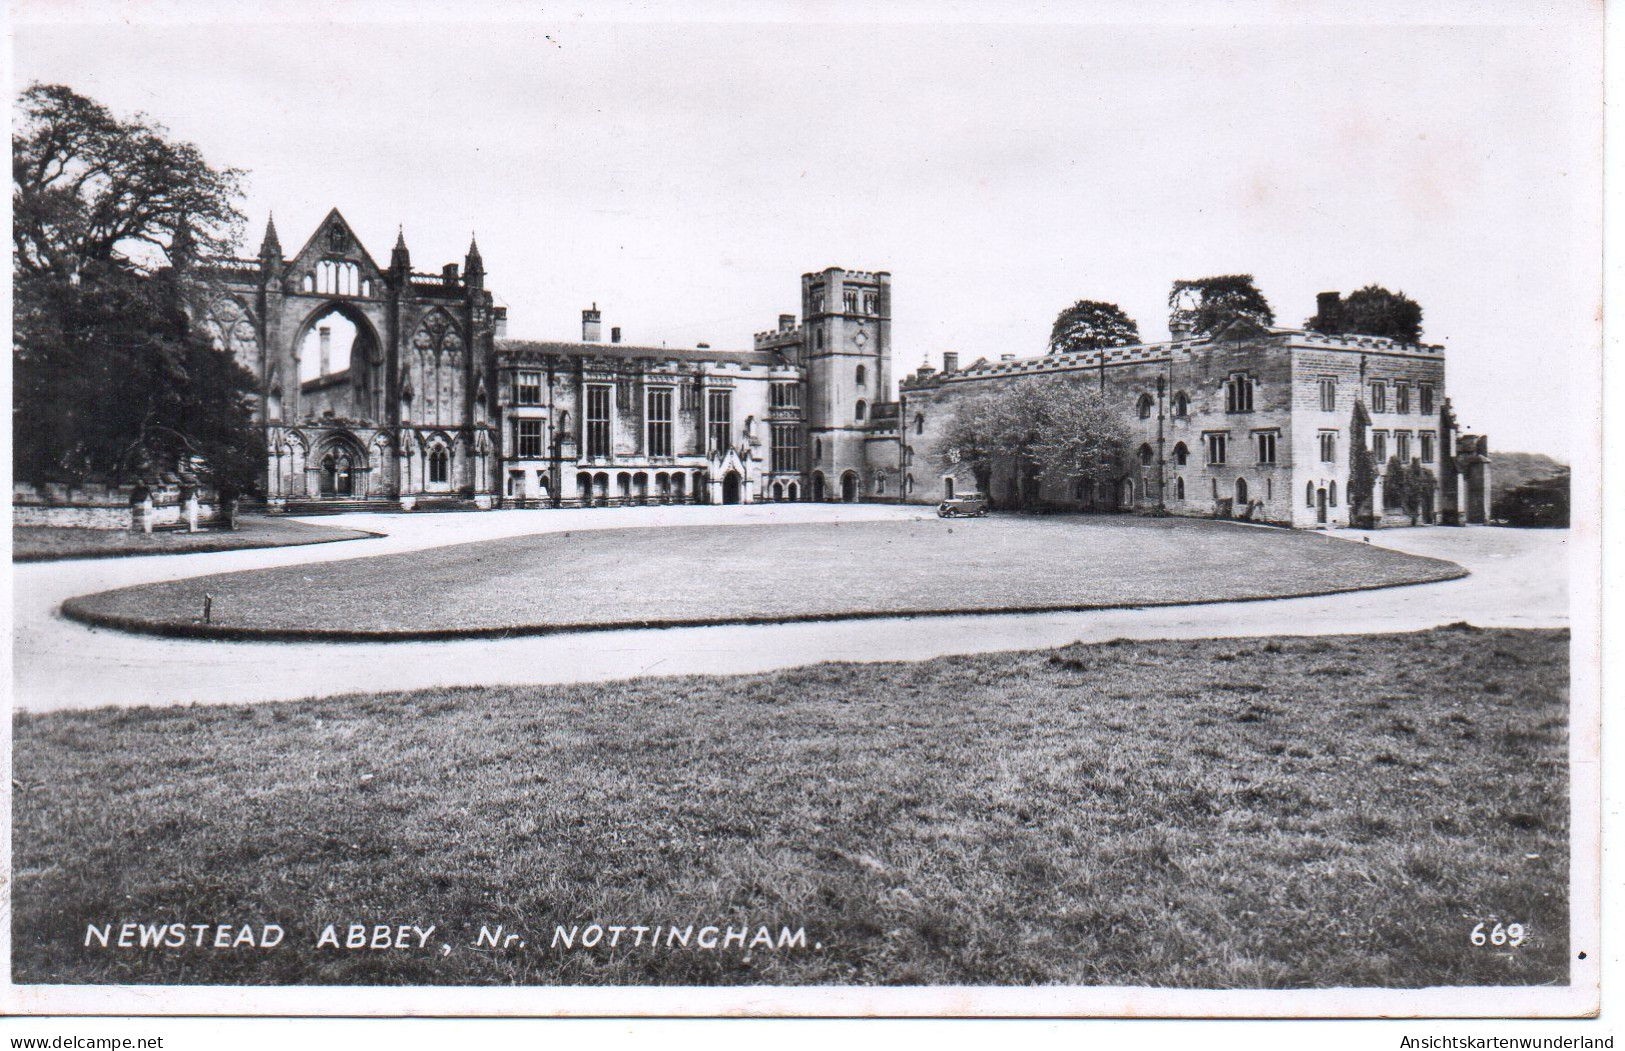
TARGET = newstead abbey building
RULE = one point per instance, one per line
(387, 388)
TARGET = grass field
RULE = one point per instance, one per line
(1227, 813)
(48, 543)
(737, 574)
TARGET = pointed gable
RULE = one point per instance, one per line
(335, 242)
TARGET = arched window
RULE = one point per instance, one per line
(1241, 492)
(818, 339)
(439, 464)
(862, 376)
(1182, 405)
(1309, 494)
(818, 449)
(337, 277)
(1179, 487)
(1182, 454)
(1238, 393)
(1331, 494)
(908, 456)
(1146, 404)
(308, 284)
(919, 423)
(1145, 454)
(861, 411)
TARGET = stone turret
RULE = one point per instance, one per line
(400, 260)
(473, 265)
(271, 246)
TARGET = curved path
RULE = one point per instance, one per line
(1519, 579)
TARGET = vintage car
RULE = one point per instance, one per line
(972, 506)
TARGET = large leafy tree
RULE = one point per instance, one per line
(1090, 324)
(1043, 427)
(1374, 311)
(110, 380)
(1209, 304)
(1405, 487)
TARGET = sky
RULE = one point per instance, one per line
(683, 170)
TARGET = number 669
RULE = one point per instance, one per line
(1510, 934)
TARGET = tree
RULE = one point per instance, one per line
(1208, 304)
(89, 188)
(110, 381)
(1538, 503)
(1090, 324)
(1405, 487)
(1374, 311)
(1044, 427)
(1362, 482)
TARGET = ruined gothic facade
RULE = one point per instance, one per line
(421, 401)
(1256, 426)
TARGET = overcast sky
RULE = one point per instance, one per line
(684, 175)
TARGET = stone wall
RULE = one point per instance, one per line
(109, 507)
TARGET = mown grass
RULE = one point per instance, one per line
(50, 543)
(1226, 813)
(717, 574)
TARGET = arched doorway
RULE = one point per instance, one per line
(849, 488)
(730, 487)
(778, 491)
(340, 469)
(338, 475)
(818, 487)
(794, 492)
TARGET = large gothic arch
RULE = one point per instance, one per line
(422, 356)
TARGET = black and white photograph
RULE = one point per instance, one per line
(809, 509)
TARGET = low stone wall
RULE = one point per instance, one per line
(123, 507)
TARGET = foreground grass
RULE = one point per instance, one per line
(1236, 813)
(717, 574)
(49, 543)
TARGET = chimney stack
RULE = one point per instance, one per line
(615, 334)
(1329, 312)
(590, 319)
(787, 322)
(1179, 327)
(1007, 357)
(950, 361)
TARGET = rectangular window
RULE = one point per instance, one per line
(1402, 446)
(786, 447)
(1328, 446)
(1328, 395)
(786, 395)
(1217, 447)
(1379, 447)
(528, 391)
(1424, 394)
(1402, 397)
(1379, 396)
(527, 438)
(1426, 438)
(1266, 446)
(658, 417)
(719, 414)
(1238, 394)
(598, 408)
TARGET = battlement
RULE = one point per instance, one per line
(1163, 351)
(779, 335)
(874, 277)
